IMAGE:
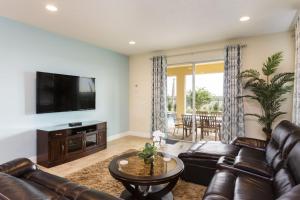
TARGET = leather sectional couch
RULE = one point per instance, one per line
(248, 168)
(236, 185)
(259, 156)
(20, 179)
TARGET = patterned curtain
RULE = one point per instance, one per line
(233, 107)
(159, 94)
(296, 109)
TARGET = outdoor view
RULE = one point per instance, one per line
(171, 93)
(208, 92)
(208, 101)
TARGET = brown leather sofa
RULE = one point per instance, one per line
(231, 184)
(245, 154)
(20, 179)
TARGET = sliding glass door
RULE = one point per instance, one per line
(195, 101)
(208, 100)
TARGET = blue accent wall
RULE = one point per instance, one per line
(23, 51)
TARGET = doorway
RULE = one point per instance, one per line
(194, 101)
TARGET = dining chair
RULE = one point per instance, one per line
(209, 124)
(187, 121)
(178, 124)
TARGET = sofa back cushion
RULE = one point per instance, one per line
(293, 194)
(293, 162)
(282, 131)
(15, 188)
(272, 151)
(283, 182)
(279, 137)
(18, 167)
(289, 144)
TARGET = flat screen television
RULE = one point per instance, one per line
(60, 93)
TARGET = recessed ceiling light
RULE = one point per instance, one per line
(132, 42)
(244, 18)
(51, 8)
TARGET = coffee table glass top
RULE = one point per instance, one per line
(135, 166)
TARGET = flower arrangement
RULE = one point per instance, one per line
(158, 138)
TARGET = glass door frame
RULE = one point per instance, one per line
(194, 103)
(193, 99)
(194, 91)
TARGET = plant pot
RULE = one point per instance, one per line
(149, 160)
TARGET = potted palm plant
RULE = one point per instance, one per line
(268, 90)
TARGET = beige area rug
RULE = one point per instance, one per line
(97, 177)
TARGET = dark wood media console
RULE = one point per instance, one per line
(61, 144)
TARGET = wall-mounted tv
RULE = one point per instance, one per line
(60, 93)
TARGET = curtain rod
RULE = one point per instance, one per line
(198, 52)
(196, 62)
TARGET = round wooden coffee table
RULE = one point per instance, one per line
(146, 181)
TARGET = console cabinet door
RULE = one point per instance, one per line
(102, 137)
(57, 149)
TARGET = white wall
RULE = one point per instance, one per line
(25, 50)
(257, 50)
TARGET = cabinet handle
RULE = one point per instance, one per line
(58, 134)
(62, 148)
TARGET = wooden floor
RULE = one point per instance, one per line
(114, 147)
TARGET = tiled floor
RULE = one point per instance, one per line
(114, 147)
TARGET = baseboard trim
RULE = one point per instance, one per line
(128, 133)
(139, 134)
(33, 159)
(116, 136)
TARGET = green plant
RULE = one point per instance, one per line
(169, 106)
(148, 152)
(170, 103)
(216, 106)
(202, 97)
(268, 91)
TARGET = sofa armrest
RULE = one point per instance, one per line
(250, 143)
(18, 167)
(67, 188)
(225, 163)
(253, 166)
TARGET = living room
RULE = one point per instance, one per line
(86, 102)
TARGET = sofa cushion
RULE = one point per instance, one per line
(290, 143)
(14, 188)
(293, 194)
(253, 153)
(18, 167)
(49, 181)
(272, 151)
(293, 163)
(213, 150)
(282, 131)
(248, 188)
(253, 165)
(49, 193)
(222, 185)
(226, 186)
(60, 185)
(283, 182)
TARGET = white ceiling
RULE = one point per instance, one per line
(154, 24)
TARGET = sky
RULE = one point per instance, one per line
(213, 82)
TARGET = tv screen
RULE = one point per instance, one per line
(59, 93)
